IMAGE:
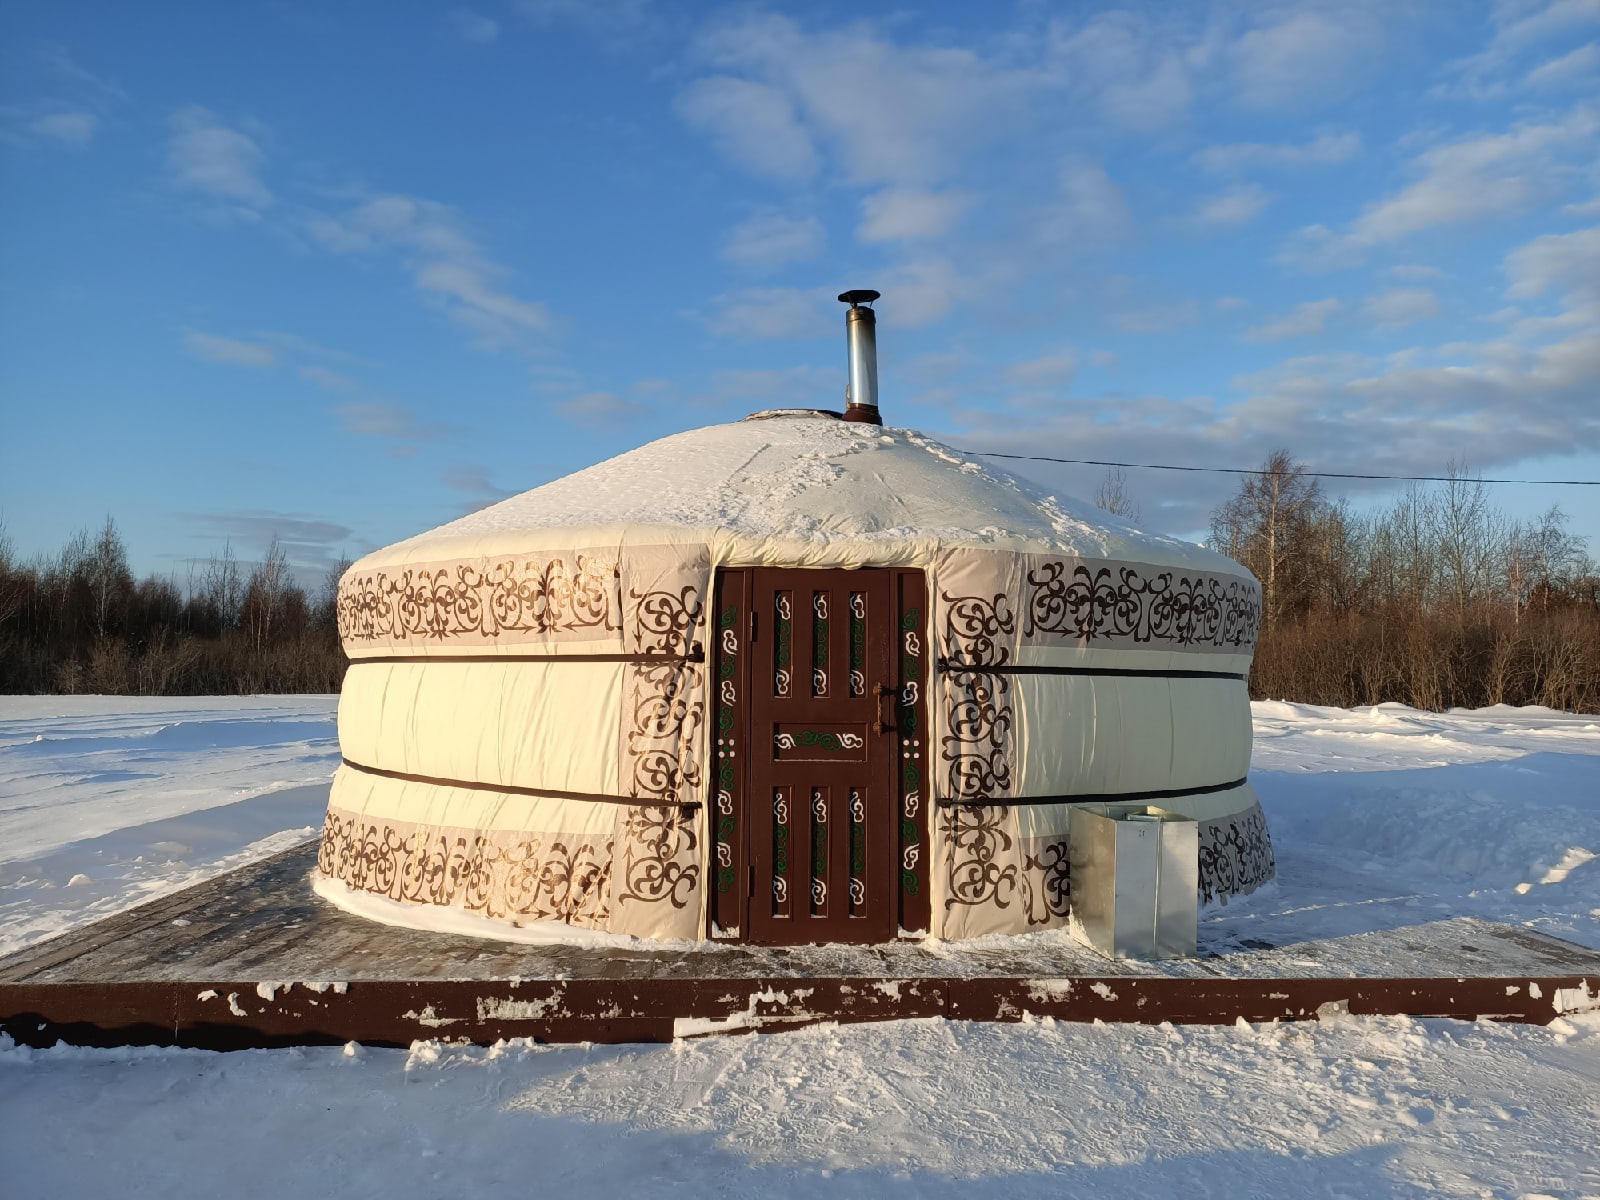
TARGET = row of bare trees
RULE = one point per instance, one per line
(81, 622)
(1439, 600)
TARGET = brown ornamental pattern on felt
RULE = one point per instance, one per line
(1083, 602)
(546, 877)
(576, 594)
(663, 620)
(977, 744)
(1235, 855)
(1047, 882)
(664, 707)
(981, 867)
(659, 863)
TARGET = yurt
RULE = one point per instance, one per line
(798, 678)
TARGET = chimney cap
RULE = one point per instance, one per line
(859, 296)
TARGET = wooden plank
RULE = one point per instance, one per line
(223, 1015)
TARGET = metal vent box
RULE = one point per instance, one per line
(1135, 880)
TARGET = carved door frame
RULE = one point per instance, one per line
(898, 828)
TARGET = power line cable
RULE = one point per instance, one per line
(1096, 462)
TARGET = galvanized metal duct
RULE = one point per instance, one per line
(861, 336)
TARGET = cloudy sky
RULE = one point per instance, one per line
(344, 272)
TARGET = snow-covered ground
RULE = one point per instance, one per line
(1382, 818)
(109, 801)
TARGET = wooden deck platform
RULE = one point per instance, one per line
(254, 958)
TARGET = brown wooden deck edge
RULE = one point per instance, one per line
(234, 1016)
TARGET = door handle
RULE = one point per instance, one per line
(882, 690)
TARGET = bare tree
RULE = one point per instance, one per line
(325, 612)
(265, 593)
(1262, 527)
(1405, 555)
(1540, 558)
(1465, 531)
(108, 573)
(1339, 557)
(12, 585)
(1114, 497)
(222, 589)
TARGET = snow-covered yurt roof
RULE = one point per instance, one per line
(798, 488)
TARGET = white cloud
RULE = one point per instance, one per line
(1307, 59)
(333, 381)
(1559, 16)
(752, 124)
(923, 290)
(1567, 69)
(75, 128)
(1051, 369)
(1400, 307)
(786, 387)
(1306, 319)
(210, 348)
(770, 240)
(772, 313)
(314, 545)
(474, 481)
(293, 343)
(1229, 303)
(1135, 71)
(896, 115)
(614, 20)
(1328, 149)
(939, 367)
(901, 215)
(496, 315)
(1414, 271)
(1519, 28)
(220, 162)
(1488, 175)
(76, 106)
(474, 28)
(1233, 207)
(1556, 262)
(57, 59)
(397, 424)
(1091, 207)
(1153, 102)
(1157, 318)
(602, 408)
(1474, 178)
(1492, 403)
(446, 265)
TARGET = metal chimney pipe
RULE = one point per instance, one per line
(861, 336)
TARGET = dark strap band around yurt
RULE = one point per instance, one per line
(1086, 797)
(949, 666)
(515, 790)
(697, 654)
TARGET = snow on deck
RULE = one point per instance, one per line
(1383, 819)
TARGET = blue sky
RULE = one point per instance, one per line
(343, 272)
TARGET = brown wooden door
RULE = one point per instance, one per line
(822, 822)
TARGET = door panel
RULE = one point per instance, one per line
(822, 825)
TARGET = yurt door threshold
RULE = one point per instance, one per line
(818, 742)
